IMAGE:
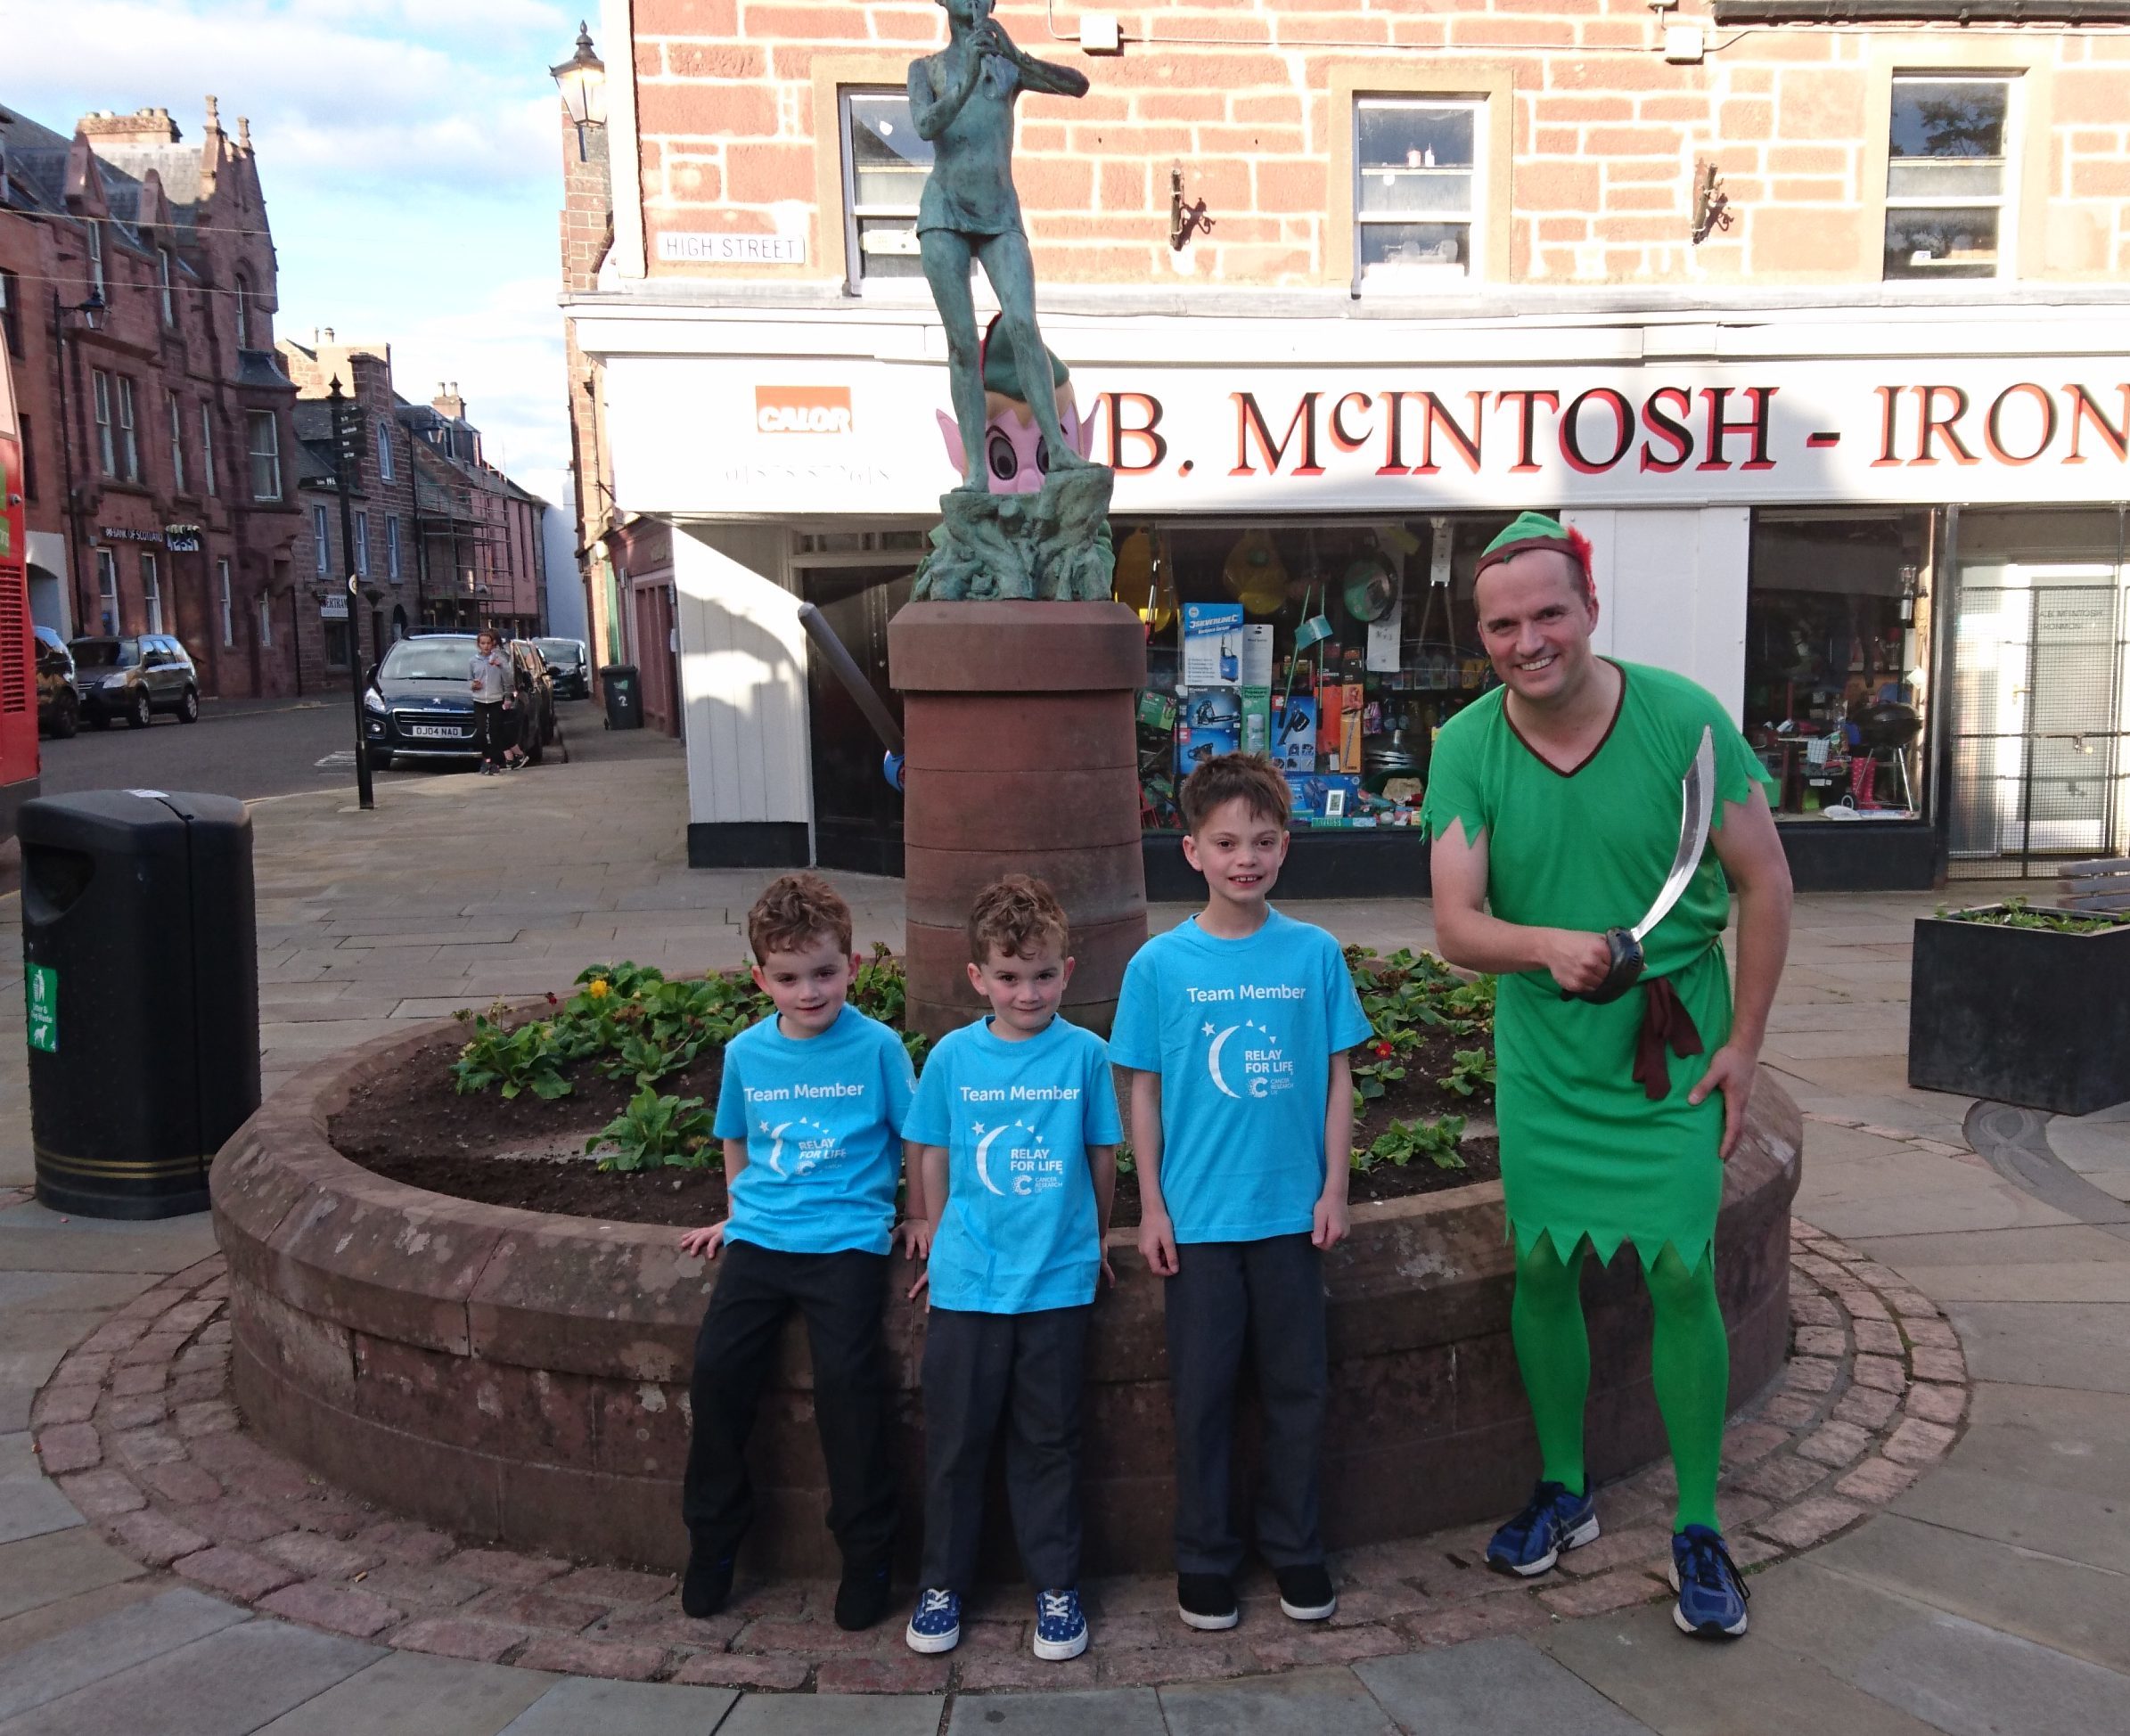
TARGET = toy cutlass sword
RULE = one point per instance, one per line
(1697, 794)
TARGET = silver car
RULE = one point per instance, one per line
(134, 678)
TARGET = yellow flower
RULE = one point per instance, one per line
(598, 989)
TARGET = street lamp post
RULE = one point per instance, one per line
(343, 447)
(582, 78)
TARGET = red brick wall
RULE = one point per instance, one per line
(1605, 134)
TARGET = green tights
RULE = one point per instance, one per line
(1691, 1359)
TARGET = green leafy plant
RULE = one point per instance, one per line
(655, 1132)
(2016, 914)
(1403, 1141)
(1471, 1070)
(512, 1060)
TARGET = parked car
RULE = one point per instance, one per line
(134, 678)
(58, 705)
(571, 665)
(537, 680)
(417, 705)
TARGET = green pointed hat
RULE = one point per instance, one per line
(1001, 364)
(1534, 530)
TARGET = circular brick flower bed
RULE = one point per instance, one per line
(523, 1376)
(139, 1429)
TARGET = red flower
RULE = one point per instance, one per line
(1384, 1049)
(551, 1000)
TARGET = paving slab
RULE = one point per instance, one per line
(108, 1644)
(1504, 1687)
(1302, 1703)
(2080, 1345)
(829, 1715)
(29, 1505)
(1917, 1257)
(581, 1703)
(2023, 1281)
(1971, 1681)
(2059, 1603)
(2078, 1526)
(411, 1692)
(60, 1564)
(224, 1685)
(1762, 1685)
(29, 1627)
(1097, 1712)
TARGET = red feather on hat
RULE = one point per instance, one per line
(1585, 556)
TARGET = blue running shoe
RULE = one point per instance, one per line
(1712, 1593)
(1060, 1626)
(936, 1626)
(1553, 1519)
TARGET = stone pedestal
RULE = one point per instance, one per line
(1022, 758)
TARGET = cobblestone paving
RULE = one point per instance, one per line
(138, 1428)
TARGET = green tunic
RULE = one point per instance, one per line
(1585, 1151)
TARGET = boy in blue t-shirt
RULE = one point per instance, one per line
(809, 1109)
(1234, 1029)
(1015, 1128)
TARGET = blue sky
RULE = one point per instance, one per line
(411, 155)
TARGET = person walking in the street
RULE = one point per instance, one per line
(494, 693)
(1555, 806)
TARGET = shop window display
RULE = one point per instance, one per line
(1838, 637)
(1338, 649)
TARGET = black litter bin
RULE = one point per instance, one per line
(623, 696)
(140, 947)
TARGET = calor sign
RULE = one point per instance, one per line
(802, 410)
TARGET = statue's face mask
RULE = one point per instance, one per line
(1015, 458)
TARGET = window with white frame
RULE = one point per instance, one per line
(1948, 177)
(362, 544)
(1417, 171)
(266, 620)
(152, 590)
(95, 229)
(884, 167)
(107, 590)
(129, 444)
(392, 549)
(384, 449)
(107, 451)
(176, 443)
(265, 456)
(207, 445)
(227, 604)
(323, 548)
(243, 311)
(162, 285)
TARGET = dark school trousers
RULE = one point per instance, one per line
(1265, 1298)
(1029, 1367)
(841, 1296)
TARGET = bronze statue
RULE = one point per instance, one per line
(961, 100)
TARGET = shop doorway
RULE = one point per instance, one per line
(2039, 749)
(857, 817)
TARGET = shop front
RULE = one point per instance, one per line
(1891, 545)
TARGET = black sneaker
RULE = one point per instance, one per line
(1205, 1602)
(706, 1583)
(861, 1598)
(1306, 1593)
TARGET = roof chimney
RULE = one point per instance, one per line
(143, 126)
(447, 403)
(326, 333)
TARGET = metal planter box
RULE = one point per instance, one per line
(2024, 1016)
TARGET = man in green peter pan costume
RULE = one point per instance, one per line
(1554, 802)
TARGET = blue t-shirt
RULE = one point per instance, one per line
(1019, 1231)
(1243, 1033)
(819, 1116)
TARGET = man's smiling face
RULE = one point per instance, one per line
(1536, 616)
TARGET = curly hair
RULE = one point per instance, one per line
(1246, 777)
(795, 911)
(1016, 916)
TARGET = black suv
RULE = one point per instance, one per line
(571, 668)
(134, 678)
(58, 705)
(419, 705)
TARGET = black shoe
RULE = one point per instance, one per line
(1205, 1602)
(1306, 1593)
(706, 1583)
(861, 1598)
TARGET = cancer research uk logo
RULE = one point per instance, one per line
(1246, 1050)
(802, 410)
(1031, 1166)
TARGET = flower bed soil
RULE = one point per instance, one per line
(413, 1126)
